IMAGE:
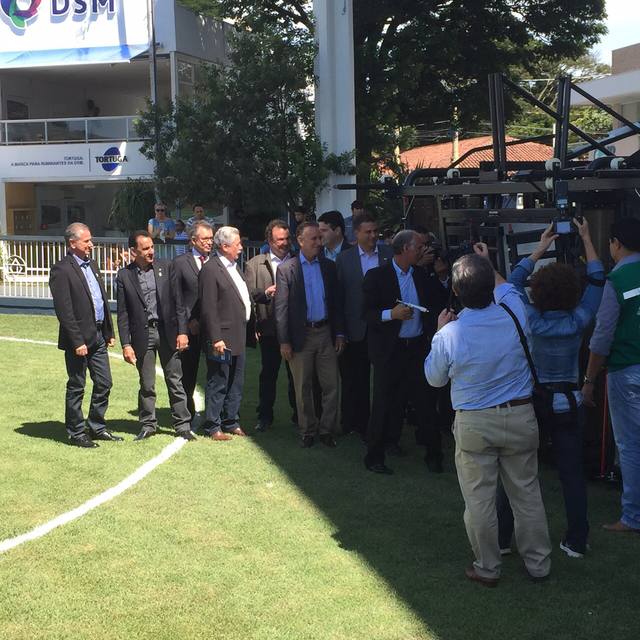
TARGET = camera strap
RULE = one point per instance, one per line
(523, 342)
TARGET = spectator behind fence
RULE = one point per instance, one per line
(616, 341)
(558, 320)
(181, 237)
(86, 330)
(151, 322)
(495, 428)
(198, 216)
(161, 227)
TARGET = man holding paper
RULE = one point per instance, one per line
(399, 337)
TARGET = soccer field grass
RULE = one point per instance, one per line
(259, 539)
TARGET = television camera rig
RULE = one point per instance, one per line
(502, 200)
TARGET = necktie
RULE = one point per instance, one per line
(85, 265)
(202, 259)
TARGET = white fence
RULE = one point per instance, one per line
(25, 262)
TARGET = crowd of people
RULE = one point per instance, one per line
(451, 347)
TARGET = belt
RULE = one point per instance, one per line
(409, 342)
(153, 323)
(513, 403)
(317, 324)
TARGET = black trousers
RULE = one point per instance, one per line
(268, 379)
(97, 361)
(355, 370)
(190, 363)
(396, 381)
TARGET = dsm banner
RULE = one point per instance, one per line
(47, 33)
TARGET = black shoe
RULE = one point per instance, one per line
(379, 467)
(144, 434)
(262, 425)
(328, 440)
(307, 441)
(187, 435)
(83, 440)
(106, 435)
(396, 450)
(434, 465)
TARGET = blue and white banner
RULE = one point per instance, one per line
(47, 33)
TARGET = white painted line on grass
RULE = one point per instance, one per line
(96, 501)
(109, 494)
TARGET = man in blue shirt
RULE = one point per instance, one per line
(86, 331)
(310, 330)
(495, 428)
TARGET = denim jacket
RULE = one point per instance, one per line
(557, 335)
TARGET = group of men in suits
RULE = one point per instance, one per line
(331, 312)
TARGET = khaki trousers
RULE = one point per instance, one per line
(319, 355)
(502, 441)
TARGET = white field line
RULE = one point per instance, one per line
(109, 494)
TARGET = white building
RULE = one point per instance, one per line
(620, 91)
(74, 74)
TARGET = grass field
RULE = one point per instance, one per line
(259, 539)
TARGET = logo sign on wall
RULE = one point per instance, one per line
(111, 159)
(63, 32)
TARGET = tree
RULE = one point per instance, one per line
(247, 137)
(415, 60)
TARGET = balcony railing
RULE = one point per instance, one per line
(25, 262)
(68, 130)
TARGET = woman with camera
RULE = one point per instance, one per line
(558, 318)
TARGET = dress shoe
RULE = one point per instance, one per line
(262, 425)
(83, 440)
(106, 435)
(471, 574)
(379, 467)
(328, 440)
(236, 431)
(434, 465)
(620, 527)
(188, 435)
(144, 434)
(307, 441)
(219, 436)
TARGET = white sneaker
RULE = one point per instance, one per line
(570, 551)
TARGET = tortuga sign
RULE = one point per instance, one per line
(40, 33)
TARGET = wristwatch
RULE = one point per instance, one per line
(587, 380)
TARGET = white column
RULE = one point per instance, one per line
(3, 209)
(334, 95)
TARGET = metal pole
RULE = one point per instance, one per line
(153, 70)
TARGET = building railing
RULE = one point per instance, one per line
(25, 262)
(68, 130)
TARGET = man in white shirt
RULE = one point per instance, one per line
(226, 324)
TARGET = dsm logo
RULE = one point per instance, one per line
(111, 159)
(18, 16)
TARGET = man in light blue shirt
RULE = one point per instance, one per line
(495, 428)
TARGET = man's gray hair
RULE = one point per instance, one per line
(200, 224)
(403, 239)
(225, 235)
(473, 281)
(73, 231)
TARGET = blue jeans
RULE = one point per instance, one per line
(566, 441)
(223, 394)
(623, 387)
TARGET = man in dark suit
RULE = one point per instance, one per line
(86, 330)
(260, 274)
(226, 323)
(332, 234)
(187, 268)
(151, 320)
(399, 338)
(355, 367)
(310, 330)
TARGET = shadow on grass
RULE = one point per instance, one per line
(55, 430)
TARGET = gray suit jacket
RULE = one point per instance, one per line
(350, 279)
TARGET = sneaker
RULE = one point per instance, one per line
(571, 551)
(505, 551)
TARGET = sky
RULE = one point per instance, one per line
(624, 27)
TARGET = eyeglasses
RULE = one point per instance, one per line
(160, 210)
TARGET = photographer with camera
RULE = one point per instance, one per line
(558, 318)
